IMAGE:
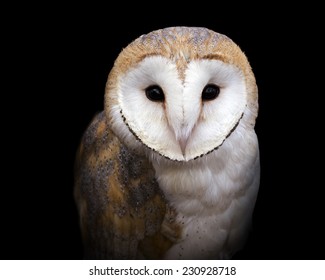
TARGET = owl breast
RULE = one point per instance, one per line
(213, 197)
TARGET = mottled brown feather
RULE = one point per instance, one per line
(121, 207)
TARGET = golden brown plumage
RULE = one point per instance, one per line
(121, 207)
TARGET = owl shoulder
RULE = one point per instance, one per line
(118, 198)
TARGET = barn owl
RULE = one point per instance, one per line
(170, 168)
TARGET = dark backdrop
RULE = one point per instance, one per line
(58, 61)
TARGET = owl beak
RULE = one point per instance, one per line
(182, 143)
(183, 123)
(183, 137)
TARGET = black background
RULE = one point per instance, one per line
(57, 62)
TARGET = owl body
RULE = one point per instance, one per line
(170, 169)
(214, 198)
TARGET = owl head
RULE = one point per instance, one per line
(180, 92)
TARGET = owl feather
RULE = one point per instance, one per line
(170, 168)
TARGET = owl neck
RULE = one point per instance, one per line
(185, 184)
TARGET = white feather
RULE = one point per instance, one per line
(148, 119)
(217, 117)
(177, 119)
(214, 197)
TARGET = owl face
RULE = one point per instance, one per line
(180, 92)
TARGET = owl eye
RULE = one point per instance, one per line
(210, 92)
(155, 93)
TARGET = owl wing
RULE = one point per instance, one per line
(123, 213)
